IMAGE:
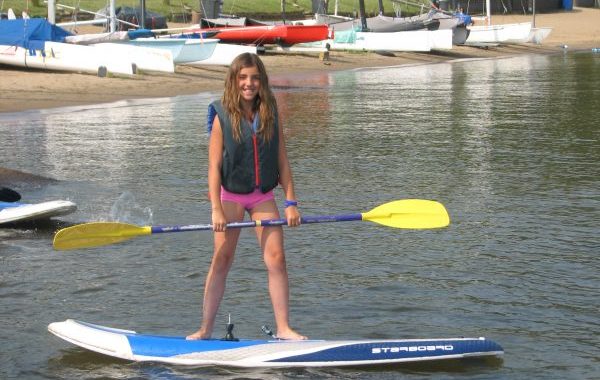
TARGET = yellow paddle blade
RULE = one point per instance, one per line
(409, 213)
(97, 234)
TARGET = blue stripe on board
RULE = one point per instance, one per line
(396, 350)
(163, 346)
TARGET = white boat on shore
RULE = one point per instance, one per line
(66, 57)
(498, 34)
(223, 55)
(501, 33)
(406, 41)
(184, 50)
(537, 35)
(147, 59)
(381, 23)
(35, 43)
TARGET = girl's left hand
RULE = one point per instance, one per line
(293, 216)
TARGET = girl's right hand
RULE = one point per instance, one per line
(219, 221)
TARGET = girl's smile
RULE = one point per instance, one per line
(249, 83)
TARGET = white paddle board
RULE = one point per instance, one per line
(13, 212)
(129, 345)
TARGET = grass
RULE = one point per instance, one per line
(265, 9)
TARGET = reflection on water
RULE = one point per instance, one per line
(510, 146)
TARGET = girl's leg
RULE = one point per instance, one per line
(271, 242)
(214, 287)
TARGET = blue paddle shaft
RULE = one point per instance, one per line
(264, 223)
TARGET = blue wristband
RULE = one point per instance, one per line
(290, 203)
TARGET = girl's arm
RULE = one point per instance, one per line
(287, 183)
(215, 162)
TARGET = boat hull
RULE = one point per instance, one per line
(414, 41)
(386, 24)
(66, 57)
(502, 33)
(271, 34)
(224, 54)
(183, 50)
(150, 59)
(197, 50)
(538, 35)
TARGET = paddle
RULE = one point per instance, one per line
(9, 195)
(407, 213)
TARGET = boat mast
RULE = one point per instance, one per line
(363, 17)
(112, 17)
(488, 12)
(51, 12)
(142, 21)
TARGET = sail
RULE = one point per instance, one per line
(30, 33)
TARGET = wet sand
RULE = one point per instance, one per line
(24, 89)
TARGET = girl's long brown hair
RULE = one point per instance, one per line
(264, 102)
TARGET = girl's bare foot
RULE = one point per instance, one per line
(289, 334)
(200, 334)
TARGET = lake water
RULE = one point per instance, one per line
(510, 146)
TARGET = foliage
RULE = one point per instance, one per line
(266, 9)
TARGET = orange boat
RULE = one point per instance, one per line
(270, 34)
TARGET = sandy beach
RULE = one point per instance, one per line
(23, 89)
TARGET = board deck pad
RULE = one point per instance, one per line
(129, 345)
(24, 212)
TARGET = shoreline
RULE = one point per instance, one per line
(24, 89)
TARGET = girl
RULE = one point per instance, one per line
(247, 159)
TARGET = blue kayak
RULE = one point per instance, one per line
(129, 345)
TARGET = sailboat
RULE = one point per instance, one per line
(362, 38)
(501, 33)
(378, 23)
(148, 50)
(384, 24)
(38, 44)
(537, 35)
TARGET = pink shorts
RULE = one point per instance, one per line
(248, 201)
